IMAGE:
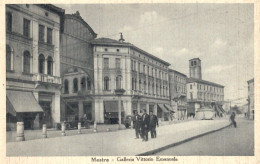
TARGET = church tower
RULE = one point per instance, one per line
(195, 68)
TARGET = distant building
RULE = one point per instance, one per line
(77, 69)
(33, 64)
(202, 93)
(251, 98)
(178, 92)
(118, 64)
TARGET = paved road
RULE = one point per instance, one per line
(227, 142)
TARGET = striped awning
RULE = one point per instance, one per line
(163, 108)
(23, 101)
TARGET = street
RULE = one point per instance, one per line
(227, 142)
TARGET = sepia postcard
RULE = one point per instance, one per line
(130, 81)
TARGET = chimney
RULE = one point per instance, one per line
(121, 38)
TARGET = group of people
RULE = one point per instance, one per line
(145, 123)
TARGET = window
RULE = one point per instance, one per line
(41, 61)
(41, 33)
(155, 72)
(105, 49)
(9, 22)
(117, 50)
(66, 86)
(26, 62)
(118, 82)
(140, 85)
(26, 27)
(152, 71)
(88, 83)
(83, 83)
(49, 35)
(144, 69)
(75, 85)
(118, 63)
(134, 65)
(8, 58)
(138, 67)
(106, 83)
(191, 63)
(191, 96)
(106, 63)
(49, 65)
(133, 82)
(191, 86)
(148, 70)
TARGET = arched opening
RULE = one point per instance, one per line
(75, 85)
(88, 83)
(50, 65)
(66, 86)
(83, 83)
(41, 60)
(26, 62)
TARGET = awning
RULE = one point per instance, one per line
(169, 107)
(9, 107)
(112, 106)
(163, 108)
(23, 101)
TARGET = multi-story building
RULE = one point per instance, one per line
(178, 92)
(77, 68)
(144, 78)
(33, 64)
(201, 92)
(251, 96)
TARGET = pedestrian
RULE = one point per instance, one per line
(153, 123)
(232, 119)
(145, 125)
(136, 123)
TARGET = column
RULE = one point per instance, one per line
(35, 52)
(155, 109)
(147, 107)
(56, 108)
(81, 111)
(138, 106)
(56, 41)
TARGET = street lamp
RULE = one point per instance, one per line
(119, 93)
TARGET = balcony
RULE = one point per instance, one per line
(47, 78)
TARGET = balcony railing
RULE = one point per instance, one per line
(47, 78)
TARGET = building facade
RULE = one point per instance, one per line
(77, 68)
(144, 78)
(251, 98)
(202, 93)
(178, 92)
(33, 64)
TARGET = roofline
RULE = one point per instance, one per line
(126, 44)
(52, 8)
(172, 70)
(83, 21)
(190, 80)
(194, 58)
(252, 80)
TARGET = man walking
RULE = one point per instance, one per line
(145, 125)
(136, 123)
(153, 123)
(232, 119)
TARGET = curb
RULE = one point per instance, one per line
(178, 143)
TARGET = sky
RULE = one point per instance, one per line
(221, 35)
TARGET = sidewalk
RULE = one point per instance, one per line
(118, 143)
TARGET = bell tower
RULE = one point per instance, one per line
(195, 68)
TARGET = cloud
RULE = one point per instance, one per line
(219, 43)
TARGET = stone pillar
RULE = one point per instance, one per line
(147, 107)
(99, 111)
(155, 109)
(81, 111)
(138, 106)
(20, 131)
(35, 52)
(56, 42)
(56, 108)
